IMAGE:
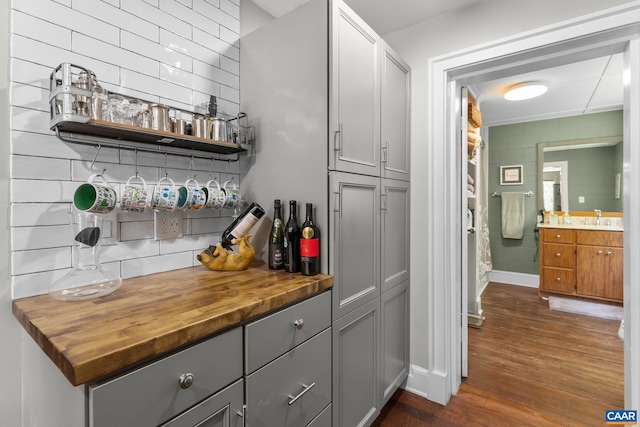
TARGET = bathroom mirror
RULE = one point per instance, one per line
(584, 174)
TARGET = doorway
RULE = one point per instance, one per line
(589, 37)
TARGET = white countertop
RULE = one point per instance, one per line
(614, 227)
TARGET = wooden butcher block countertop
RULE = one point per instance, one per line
(152, 315)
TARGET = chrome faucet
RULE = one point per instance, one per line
(598, 216)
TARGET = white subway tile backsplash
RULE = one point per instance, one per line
(35, 214)
(216, 14)
(123, 20)
(68, 18)
(114, 55)
(215, 44)
(177, 52)
(157, 16)
(35, 261)
(35, 28)
(155, 86)
(207, 71)
(29, 191)
(29, 238)
(144, 266)
(143, 47)
(32, 97)
(28, 167)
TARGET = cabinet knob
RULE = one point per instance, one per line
(185, 380)
(558, 279)
(299, 323)
(609, 253)
(599, 252)
(558, 255)
(558, 236)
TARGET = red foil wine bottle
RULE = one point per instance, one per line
(309, 245)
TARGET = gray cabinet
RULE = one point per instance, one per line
(161, 390)
(356, 355)
(394, 104)
(395, 233)
(355, 233)
(288, 365)
(355, 93)
(395, 338)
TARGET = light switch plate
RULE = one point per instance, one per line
(110, 229)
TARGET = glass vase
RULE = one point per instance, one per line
(87, 279)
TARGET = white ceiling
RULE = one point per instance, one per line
(580, 88)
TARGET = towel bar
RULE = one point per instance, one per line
(496, 194)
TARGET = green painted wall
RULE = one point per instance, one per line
(516, 144)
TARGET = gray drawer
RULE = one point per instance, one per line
(270, 389)
(223, 409)
(274, 335)
(152, 394)
(322, 420)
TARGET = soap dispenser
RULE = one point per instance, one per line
(567, 218)
(553, 218)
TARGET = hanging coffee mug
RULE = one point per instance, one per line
(190, 196)
(165, 195)
(216, 196)
(134, 196)
(232, 194)
(94, 197)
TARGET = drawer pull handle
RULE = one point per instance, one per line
(299, 323)
(302, 393)
(558, 255)
(186, 380)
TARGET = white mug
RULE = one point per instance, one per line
(165, 195)
(190, 196)
(134, 197)
(94, 197)
(232, 194)
(216, 196)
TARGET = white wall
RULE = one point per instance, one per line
(470, 27)
(177, 52)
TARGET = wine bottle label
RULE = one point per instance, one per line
(309, 247)
(307, 232)
(245, 225)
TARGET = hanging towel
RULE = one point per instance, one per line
(512, 215)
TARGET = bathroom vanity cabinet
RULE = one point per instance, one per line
(582, 262)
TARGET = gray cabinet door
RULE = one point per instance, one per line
(394, 104)
(355, 235)
(356, 369)
(354, 137)
(395, 233)
(395, 339)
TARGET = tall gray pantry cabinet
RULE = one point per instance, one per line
(330, 102)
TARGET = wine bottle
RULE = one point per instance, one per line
(309, 245)
(276, 239)
(292, 241)
(241, 225)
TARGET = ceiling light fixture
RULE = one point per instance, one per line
(525, 90)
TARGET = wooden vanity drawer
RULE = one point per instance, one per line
(601, 238)
(559, 255)
(274, 335)
(557, 235)
(271, 390)
(558, 279)
(153, 394)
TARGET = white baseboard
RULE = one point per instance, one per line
(512, 278)
(428, 385)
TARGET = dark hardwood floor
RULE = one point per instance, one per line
(528, 366)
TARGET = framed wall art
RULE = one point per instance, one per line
(511, 175)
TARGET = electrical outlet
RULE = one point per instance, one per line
(110, 228)
(167, 225)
